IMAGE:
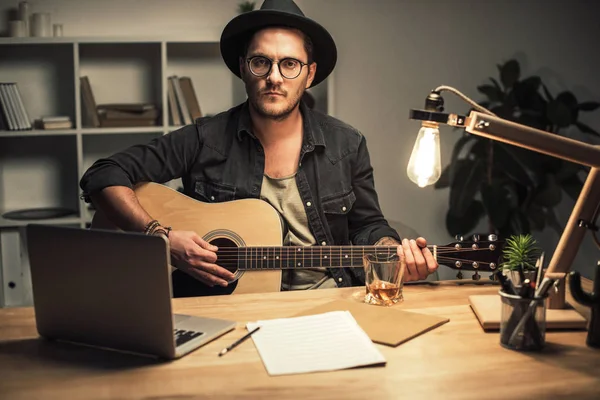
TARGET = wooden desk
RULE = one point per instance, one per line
(457, 360)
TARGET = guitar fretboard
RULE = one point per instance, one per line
(289, 257)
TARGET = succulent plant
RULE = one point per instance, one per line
(520, 252)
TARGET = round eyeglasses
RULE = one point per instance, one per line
(261, 66)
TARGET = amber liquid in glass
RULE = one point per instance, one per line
(384, 292)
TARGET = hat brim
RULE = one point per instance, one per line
(236, 31)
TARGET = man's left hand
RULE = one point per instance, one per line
(419, 260)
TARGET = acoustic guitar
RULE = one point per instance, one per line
(249, 234)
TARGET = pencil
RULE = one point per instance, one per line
(237, 342)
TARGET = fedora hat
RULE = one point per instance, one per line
(278, 13)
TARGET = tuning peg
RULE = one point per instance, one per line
(459, 275)
(476, 238)
(459, 238)
(476, 276)
(492, 237)
(492, 277)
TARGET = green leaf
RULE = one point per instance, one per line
(493, 94)
(533, 119)
(572, 186)
(552, 221)
(465, 224)
(588, 106)
(510, 73)
(495, 202)
(456, 152)
(586, 129)
(567, 170)
(466, 182)
(549, 96)
(519, 164)
(496, 84)
(550, 193)
(518, 223)
(527, 94)
(444, 180)
(559, 113)
(571, 101)
(537, 217)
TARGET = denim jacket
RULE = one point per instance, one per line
(219, 159)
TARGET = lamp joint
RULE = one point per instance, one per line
(588, 225)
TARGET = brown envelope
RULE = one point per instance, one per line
(384, 325)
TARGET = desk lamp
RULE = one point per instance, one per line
(424, 168)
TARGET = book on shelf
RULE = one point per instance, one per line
(88, 103)
(126, 107)
(183, 102)
(54, 122)
(116, 114)
(126, 122)
(128, 114)
(13, 114)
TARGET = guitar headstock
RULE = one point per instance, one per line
(480, 254)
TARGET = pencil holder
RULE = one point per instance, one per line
(591, 300)
(522, 322)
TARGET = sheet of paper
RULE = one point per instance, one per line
(321, 342)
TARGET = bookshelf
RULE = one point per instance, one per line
(42, 168)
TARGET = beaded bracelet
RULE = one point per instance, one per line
(150, 227)
(162, 230)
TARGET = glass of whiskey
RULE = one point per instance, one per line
(384, 275)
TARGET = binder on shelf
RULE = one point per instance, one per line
(183, 102)
(7, 109)
(14, 114)
(89, 103)
(25, 121)
(187, 88)
(175, 117)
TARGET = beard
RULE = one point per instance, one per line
(277, 110)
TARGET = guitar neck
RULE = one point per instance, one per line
(469, 256)
(291, 257)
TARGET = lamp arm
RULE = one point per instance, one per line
(585, 209)
(502, 130)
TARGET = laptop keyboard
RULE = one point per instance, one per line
(182, 336)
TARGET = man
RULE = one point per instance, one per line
(312, 168)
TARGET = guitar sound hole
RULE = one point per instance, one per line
(227, 255)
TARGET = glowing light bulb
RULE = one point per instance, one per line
(425, 165)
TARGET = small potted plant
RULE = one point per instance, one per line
(246, 6)
(519, 255)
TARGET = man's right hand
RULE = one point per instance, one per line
(196, 257)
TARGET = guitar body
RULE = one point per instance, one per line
(238, 223)
(249, 235)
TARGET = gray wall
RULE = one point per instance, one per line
(391, 54)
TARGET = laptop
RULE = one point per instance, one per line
(111, 289)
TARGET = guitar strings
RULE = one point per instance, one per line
(337, 259)
(357, 249)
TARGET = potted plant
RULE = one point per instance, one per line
(514, 188)
(519, 257)
(246, 6)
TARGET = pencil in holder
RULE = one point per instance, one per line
(522, 322)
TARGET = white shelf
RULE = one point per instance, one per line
(211, 37)
(122, 130)
(15, 223)
(38, 132)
